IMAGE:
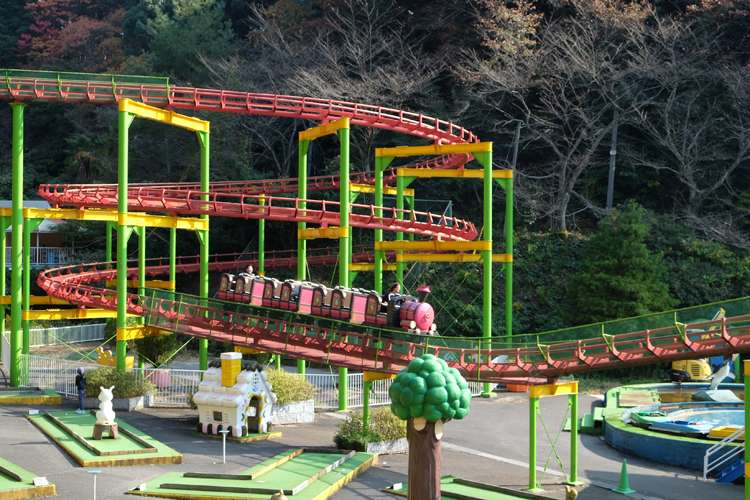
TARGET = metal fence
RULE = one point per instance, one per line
(44, 256)
(170, 387)
(66, 335)
(175, 387)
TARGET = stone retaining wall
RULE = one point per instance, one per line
(299, 412)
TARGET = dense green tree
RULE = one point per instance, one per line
(618, 276)
(175, 36)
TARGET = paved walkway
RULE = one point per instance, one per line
(490, 445)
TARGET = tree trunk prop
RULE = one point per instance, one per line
(425, 460)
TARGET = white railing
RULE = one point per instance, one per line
(44, 256)
(5, 352)
(66, 335)
(174, 387)
(732, 455)
(327, 392)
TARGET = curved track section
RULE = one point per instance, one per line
(75, 284)
(378, 353)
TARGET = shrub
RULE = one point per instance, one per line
(384, 426)
(290, 387)
(126, 384)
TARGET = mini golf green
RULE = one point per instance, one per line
(455, 487)
(308, 474)
(73, 432)
(29, 396)
(16, 483)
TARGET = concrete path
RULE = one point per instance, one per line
(491, 445)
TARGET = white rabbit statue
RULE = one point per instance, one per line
(105, 415)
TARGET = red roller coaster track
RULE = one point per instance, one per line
(300, 340)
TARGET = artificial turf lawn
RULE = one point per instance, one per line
(48, 397)
(448, 486)
(12, 489)
(288, 475)
(83, 425)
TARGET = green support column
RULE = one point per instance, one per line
(485, 158)
(379, 254)
(573, 400)
(173, 256)
(4, 223)
(262, 242)
(304, 145)
(410, 201)
(367, 387)
(123, 233)
(29, 225)
(108, 244)
(534, 408)
(747, 426)
(141, 265)
(344, 257)
(400, 185)
(16, 252)
(509, 265)
(203, 138)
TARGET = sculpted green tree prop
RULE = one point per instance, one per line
(427, 394)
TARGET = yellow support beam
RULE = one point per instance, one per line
(453, 173)
(355, 266)
(163, 116)
(37, 300)
(540, 391)
(451, 257)
(246, 350)
(162, 284)
(140, 219)
(54, 314)
(373, 376)
(323, 232)
(456, 246)
(434, 149)
(325, 129)
(139, 332)
(366, 188)
(132, 218)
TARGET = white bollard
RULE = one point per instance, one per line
(224, 435)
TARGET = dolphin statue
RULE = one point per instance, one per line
(720, 375)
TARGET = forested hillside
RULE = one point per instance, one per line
(617, 117)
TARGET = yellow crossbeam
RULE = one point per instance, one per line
(132, 218)
(163, 284)
(450, 257)
(366, 188)
(53, 314)
(139, 332)
(325, 129)
(434, 149)
(139, 219)
(373, 376)
(323, 232)
(162, 115)
(453, 173)
(456, 246)
(36, 300)
(246, 350)
(355, 266)
(540, 391)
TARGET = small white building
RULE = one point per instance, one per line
(234, 397)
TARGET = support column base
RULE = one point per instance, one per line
(488, 395)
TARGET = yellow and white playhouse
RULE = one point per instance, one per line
(234, 397)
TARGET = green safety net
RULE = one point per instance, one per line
(84, 77)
